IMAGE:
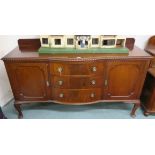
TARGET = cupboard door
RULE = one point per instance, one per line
(124, 79)
(29, 81)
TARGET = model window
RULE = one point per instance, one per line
(70, 41)
(109, 42)
(86, 43)
(95, 41)
(45, 40)
(57, 41)
(120, 42)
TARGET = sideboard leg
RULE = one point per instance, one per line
(18, 108)
(146, 113)
(133, 112)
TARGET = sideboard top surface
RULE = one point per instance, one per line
(16, 54)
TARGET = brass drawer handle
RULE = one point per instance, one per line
(106, 82)
(94, 69)
(61, 95)
(92, 95)
(47, 83)
(60, 69)
(93, 82)
(60, 82)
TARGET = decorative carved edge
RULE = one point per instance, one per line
(132, 101)
(114, 58)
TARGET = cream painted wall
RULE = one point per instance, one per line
(7, 43)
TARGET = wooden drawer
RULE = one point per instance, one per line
(73, 96)
(152, 63)
(77, 68)
(76, 82)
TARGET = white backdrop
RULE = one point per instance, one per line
(7, 43)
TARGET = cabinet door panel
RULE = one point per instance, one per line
(124, 79)
(28, 80)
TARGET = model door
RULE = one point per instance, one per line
(124, 79)
(29, 81)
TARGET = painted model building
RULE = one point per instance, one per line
(82, 41)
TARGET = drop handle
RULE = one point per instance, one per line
(94, 69)
(106, 82)
(60, 69)
(61, 95)
(47, 83)
(60, 82)
(93, 82)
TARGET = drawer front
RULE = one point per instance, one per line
(77, 68)
(153, 63)
(73, 96)
(72, 82)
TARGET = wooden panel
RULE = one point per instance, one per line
(152, 64)
(29, 44)
(130, 42)
(124, 79)
(77, 68)
(28, 80)
(77, 82)
(73, 96)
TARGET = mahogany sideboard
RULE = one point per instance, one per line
(76, 79)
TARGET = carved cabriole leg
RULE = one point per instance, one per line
(136, 106)
(146, 113)
(18, 108)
